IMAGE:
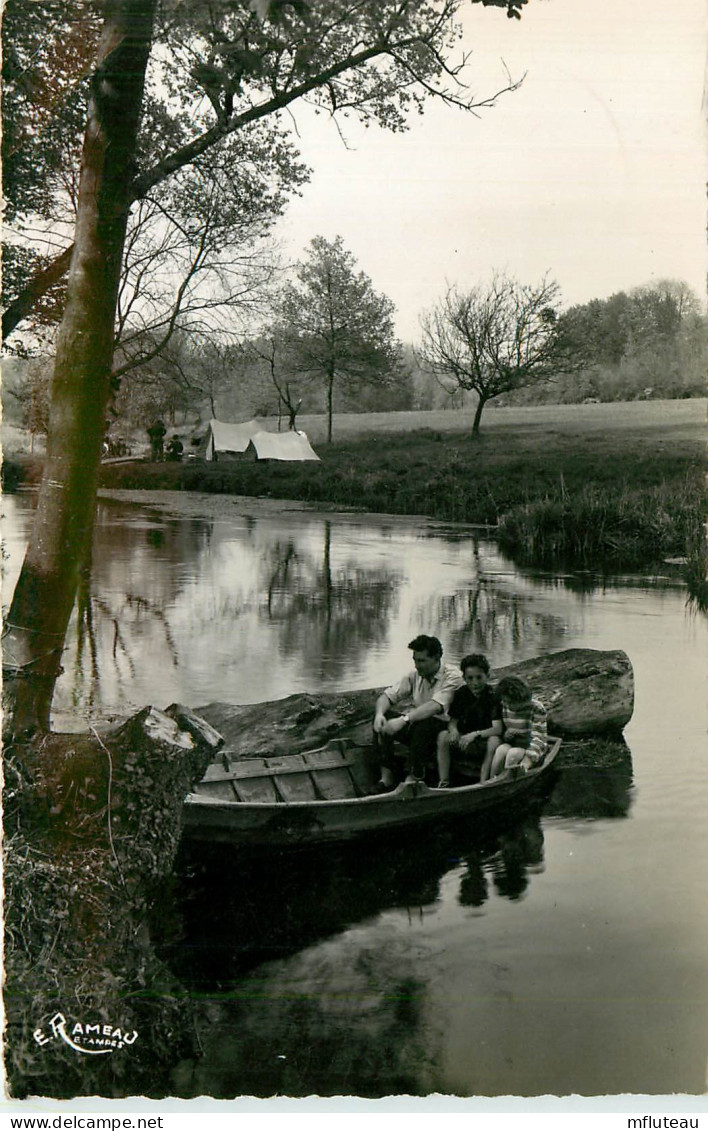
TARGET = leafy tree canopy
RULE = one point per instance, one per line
(217, 67)
(340, 329)
(605, 331)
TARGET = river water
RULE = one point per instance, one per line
(565, 952)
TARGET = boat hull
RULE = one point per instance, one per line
(303, 823)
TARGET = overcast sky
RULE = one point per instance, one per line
(594, 170)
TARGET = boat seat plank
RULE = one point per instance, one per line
(330, 771)
(292, 778)
(295, 787)
(333, 784)
(335, 753)
(219, 791)
(258, 768)
(256, 789)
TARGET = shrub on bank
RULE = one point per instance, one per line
(696, 568)
(624, 526)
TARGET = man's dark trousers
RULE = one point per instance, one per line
(420, 738)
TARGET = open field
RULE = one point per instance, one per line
(686, 417)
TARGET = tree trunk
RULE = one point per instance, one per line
(478, 416)
(44, 597)
(330, 398)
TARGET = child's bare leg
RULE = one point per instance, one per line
(443, 755)
(492, 743)
(498, 759)
(514, 755)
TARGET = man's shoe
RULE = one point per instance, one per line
(380, 787)
(444, 784)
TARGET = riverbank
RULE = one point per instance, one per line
(568, 484)
(627, 493)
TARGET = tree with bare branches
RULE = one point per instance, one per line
(271, 353)
(494, 339)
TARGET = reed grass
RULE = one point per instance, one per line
(593, 527)
(696, 567)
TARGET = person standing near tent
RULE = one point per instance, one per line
(175, 449)
(157, 432)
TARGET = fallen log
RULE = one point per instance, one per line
(587, 693)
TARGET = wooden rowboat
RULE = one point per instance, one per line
(323, 795)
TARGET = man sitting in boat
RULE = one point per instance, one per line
(525, 734)
(475, 725)
(424, 696)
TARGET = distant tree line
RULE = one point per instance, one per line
(643, 344)
(327, 344)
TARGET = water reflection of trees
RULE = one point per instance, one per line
(302, 934)
(310, 937)
(114, 615)
(355, 1024)
(588, 583)
(485, 617)
(323, 610)
(134, 586)
(286, 901)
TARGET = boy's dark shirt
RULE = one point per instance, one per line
(474, 712)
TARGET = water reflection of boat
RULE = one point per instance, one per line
(324, 795)
(287, 901)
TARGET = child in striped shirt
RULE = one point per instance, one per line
(524, 737)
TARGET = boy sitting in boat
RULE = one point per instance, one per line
(475, 725)
(524, 737)
(425, 695)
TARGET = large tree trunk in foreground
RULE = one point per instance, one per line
(44, 597)
(92, 826)
(587, 693)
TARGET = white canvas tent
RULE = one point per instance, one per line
(252, 439)
(229, 439)
(283, 446)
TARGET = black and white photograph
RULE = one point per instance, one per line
(354, 557)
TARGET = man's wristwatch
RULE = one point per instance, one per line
(407, 717)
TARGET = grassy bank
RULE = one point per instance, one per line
(617, 495)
